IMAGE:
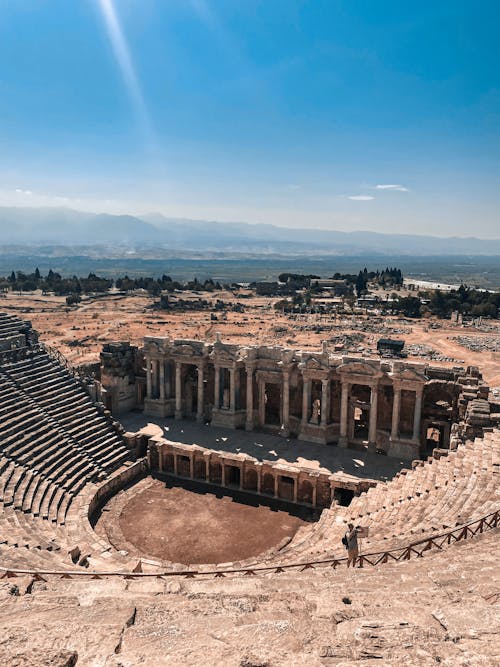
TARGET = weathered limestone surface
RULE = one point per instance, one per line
(442, 609)
(57, 450)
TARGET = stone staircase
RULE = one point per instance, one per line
(56, 447)
(433, 497)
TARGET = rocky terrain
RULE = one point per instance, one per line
(441, 609)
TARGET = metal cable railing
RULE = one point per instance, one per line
(413, 550)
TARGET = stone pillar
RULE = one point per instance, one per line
(162, 379)
(148, 377)
(314, 493)
(259, 477)
(223, 474)
(249, 419)
(306, 400)
(396, 407)
(332, 492)
(417, 414)
(286, 402)
(325, 401)
(232, 389)
(237, 389)
(295, 489)
(160, 458)
(207, 465)
(178, 390)
(262, 402)
(175, 463)
(276, 486)
(217, 388)
(344, 405)
(168, 378)
(155, 378)
(200, 412)
(191, 467)
(372, 428)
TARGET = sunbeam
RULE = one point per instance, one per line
(123, 58)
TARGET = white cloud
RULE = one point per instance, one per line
(27, 193)
(360, 197)
(391, 186)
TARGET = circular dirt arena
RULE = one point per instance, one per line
(174, 524)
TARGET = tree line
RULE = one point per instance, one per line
(75, 286)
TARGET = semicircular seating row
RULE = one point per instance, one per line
(55, 446)
(432, 498)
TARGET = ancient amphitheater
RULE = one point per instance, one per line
(408, 452)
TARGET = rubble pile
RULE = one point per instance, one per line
(428, 352)
(479, 343)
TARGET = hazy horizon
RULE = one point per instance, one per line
(147, 216)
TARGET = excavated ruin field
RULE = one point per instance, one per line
(80, 333)
(182, 526)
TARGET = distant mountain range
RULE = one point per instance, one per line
(28, 226)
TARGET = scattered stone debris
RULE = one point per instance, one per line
(428, 352)
(479, 343)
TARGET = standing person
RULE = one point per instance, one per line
(352, 544)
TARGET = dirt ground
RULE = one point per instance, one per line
(183, 526)
(79, 333)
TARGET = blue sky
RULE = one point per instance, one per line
(292, 112)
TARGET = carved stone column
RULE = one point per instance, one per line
(154, 378)
(232, 389)
(237, 389)
(306, 400)
(217, 388)
(372, 428)
(191, 466)
(200, 412)
(417, 414)
(295, 489)
(175, 463)
(249, 419)
(325, 401)
(162, 379)
(396, 408)
(178, 390)
(223, 474)
(286, 401)
(262, 402)
(276, 486)
(148, 377)
(168, 381)
(207, 465)
(315, 492)
(344, 404)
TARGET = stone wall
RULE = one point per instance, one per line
(241, 472)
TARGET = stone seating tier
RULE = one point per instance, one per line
(78, 417)
(54, 444)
